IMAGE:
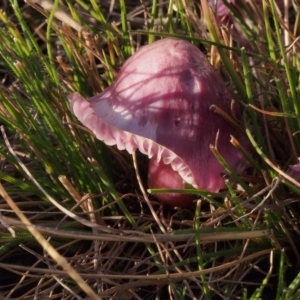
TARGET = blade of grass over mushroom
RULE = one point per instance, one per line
(188, 191)
(196, 41)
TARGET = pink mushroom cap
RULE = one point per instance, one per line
(160, 104)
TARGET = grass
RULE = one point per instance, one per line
(76, 221)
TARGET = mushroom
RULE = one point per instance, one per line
(160, 104)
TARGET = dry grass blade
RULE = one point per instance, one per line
(59, 14)
(60, 260)
(141, 280)
(130, 236)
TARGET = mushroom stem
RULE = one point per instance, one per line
(162, 176)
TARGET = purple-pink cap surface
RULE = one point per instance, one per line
(159, 104)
